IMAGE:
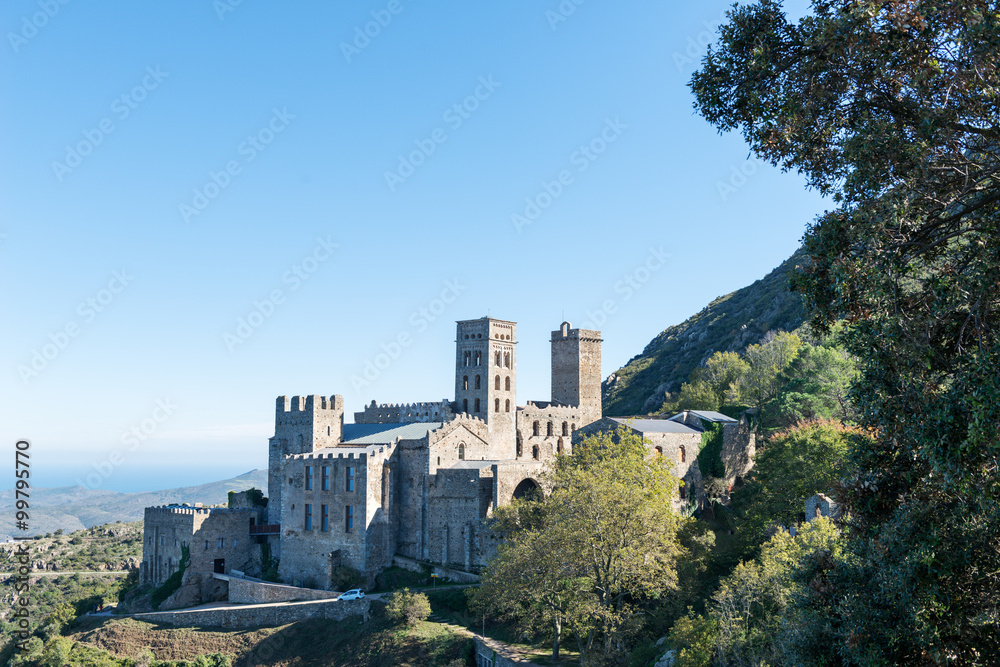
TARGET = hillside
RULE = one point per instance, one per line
(75, 507)
(728, 323)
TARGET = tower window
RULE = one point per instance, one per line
(465, 405)
(309, 478)
(506, 359)
(324, 515)
(348, 518)
(506, 405)
(496, 405)
(534, 428)
(309, 516)
(548, 429)
(507, 383)
(465, 382)
(479, 383)
(496, 382)
(477, 405)
(461, 451)
(565, 428)
(479, 358)
(559, 446)
(496, 357)
(681, 454)
(349, 482)
(326, 478)
(534, 452)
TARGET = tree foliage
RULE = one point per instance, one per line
(581, 557)
(408, 607)
(892, 108)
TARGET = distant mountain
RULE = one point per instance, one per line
(74, 507)
(730, 323)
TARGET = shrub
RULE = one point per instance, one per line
(408, 607)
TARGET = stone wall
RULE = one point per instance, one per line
(576, 370)
(564, 421)
(739, 446)
(406, 413)
(485, 357)
(261, 615)
(243, 591)
(456, 534)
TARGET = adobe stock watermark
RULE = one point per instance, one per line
(697, 46)
(223, 7)
(31, 25)
(263, 309)
(122, 107)
(87, 311)
(627, 286)
(581, 159)
(738, 177)
(419, 320)
(363, 35)
(455, 116)
(249, 149)
(130, 439)
(562, 13)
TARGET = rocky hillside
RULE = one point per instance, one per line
(729, 323)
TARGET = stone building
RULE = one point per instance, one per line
(415, 480)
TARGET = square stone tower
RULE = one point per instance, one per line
(486, 378)
(576, 370)
(301, 425)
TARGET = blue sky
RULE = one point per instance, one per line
(170, 170)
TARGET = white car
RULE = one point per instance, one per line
(353, 594)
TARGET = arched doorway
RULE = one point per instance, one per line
(528, 488)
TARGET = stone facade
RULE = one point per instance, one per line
(821, 505)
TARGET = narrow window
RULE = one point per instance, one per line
(163, 541)
(348, 518)
(572, 427)
(206, 545)
(565, 428)
(520, 445)
(559, 446)
(349, 484)
(534, 452)
(496, 405)
(222, 542)
(309, 516)
(477, 405)
(309, 478)
(507, 383)
(534, 428)
(506, 405)
(548, 429)
(506, 359)
(479, 384)
(497, 359)
(328, 430)
(324, 513)
(326, 478)
(681, 454)
(684, 494)
(465, 405)
(479, 358)
(496, 382)
(465, 382)
(461, 451)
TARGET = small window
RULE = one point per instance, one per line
(565, 430)
(534, 452)
(559, 446)
(534, 428)
(681, 454)
(548, 429)
(497, 359)
(349, 483)
(222, 542)
(506, 359)
(477, 405)
(328, 430)
(439, 460)
(326, 478)
(507, 383)
(479, 384)
(479, 358)
(163, 541)
(236, 542)
(206, 545)
(496, 405)
(461, 451)
(468, 358)
(309, 478)
(349, 518)
(506, 405)
(465, 405)
(324, 513)
(465, 382)
(496, 382)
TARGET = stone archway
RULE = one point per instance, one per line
(527, 488)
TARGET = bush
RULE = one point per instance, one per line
(408, 607)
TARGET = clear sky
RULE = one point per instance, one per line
(205, 205)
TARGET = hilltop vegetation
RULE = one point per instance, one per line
(729, 323)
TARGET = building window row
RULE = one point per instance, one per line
(325, 478)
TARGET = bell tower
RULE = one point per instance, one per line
(486, 377)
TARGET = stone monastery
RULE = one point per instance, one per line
(415, 480)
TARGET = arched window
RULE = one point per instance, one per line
(520, 445)
(548, 429)
(479, 382)
(559, 446)
(684, 493)
(507, 383)
(465, 382)
(506, 359)
(681, 454)
(534, 428)
(479, 357)
(461, 451)
(496, 405)
(506, 405)
(467, 358)
(465, 405)
(572, 427)
(496, 357)
(658, 451)
(477, 405)
(496, 382)
(534, 452)
(565, 428)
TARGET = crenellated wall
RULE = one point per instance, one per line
(404, 413)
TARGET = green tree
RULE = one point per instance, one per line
(766, 363)
(891, 109)
(408, 607)
(583, 555)
(694, 638)
(814, 386)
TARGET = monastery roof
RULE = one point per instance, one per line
(472, 464)
(377, 434)
(707, 415)
(655, 425)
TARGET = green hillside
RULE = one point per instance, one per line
(728, 323)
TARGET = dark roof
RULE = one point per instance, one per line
(655, 425)
(375, 434)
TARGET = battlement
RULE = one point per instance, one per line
(163, 510)
(567, 332)
(404, 413)
(372, 453)
(309, 403)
